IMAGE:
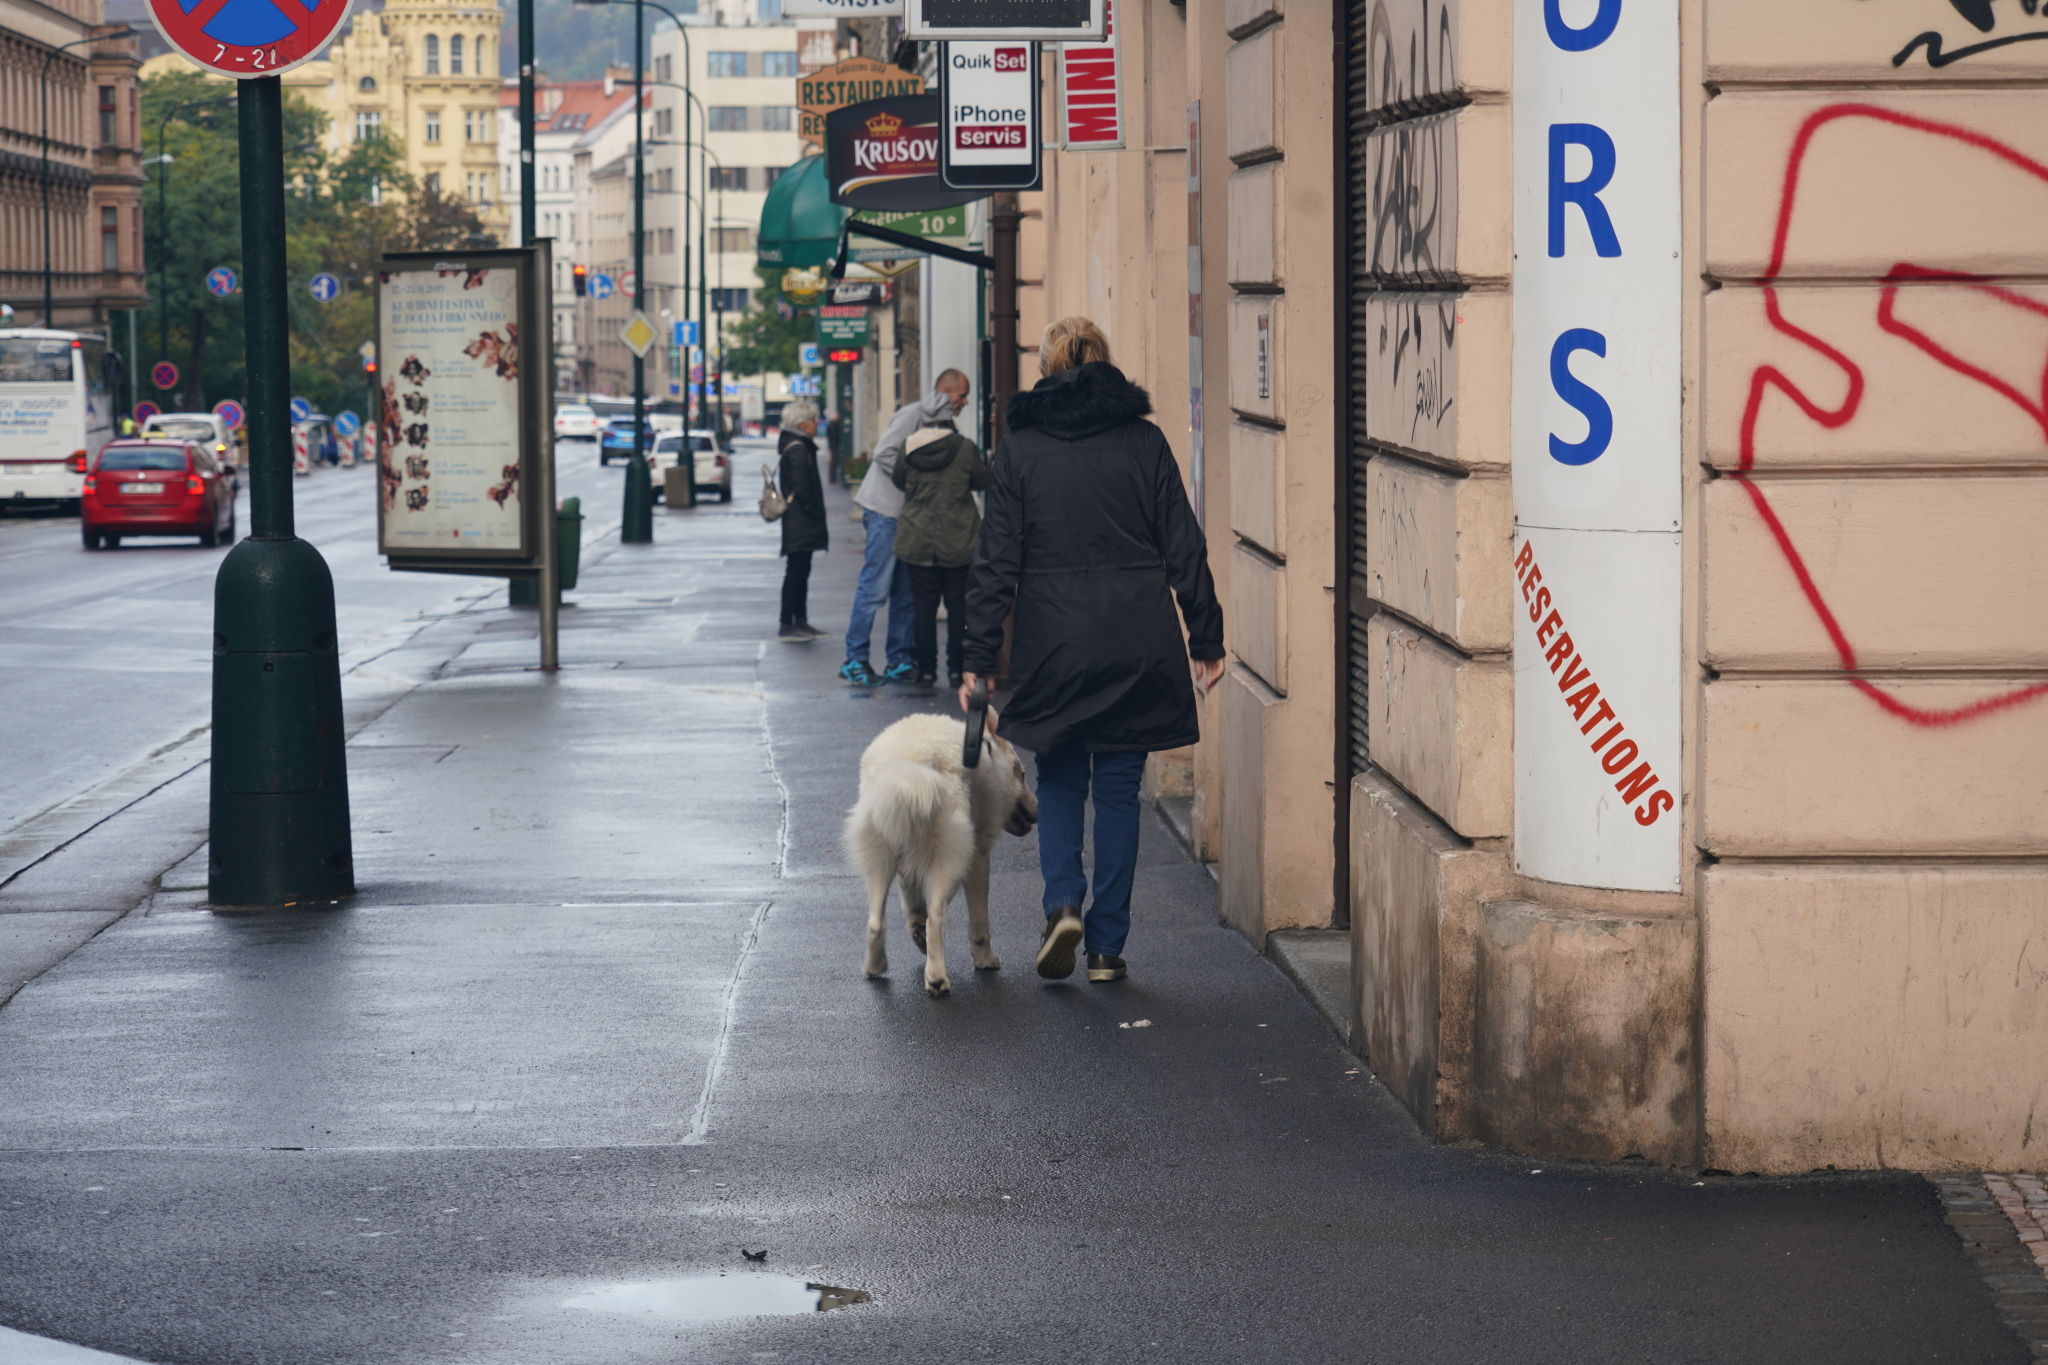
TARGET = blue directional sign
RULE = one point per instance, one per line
(686, 332)
(221, 282)
(301, 409)
(807, 354)
(347, 423)
(325, 287)
(601, 286)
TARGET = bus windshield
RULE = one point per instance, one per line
(34, 360)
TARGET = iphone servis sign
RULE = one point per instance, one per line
(1597, 461)
(989, 135)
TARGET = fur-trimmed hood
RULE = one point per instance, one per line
(1080, 402)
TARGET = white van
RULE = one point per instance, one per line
(208, 428)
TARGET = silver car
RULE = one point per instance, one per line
(713, 461)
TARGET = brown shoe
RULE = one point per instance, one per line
(1056, 948)
(1103, 967)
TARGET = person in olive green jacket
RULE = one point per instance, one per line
(939, 472)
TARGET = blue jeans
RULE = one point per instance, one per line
(879, 580)
(1063, 783)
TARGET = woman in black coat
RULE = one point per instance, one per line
(803, 524)
(1089, 534)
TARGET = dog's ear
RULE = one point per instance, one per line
(993, 716)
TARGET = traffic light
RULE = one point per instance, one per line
(581, 273)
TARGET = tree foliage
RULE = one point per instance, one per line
(341, 213)
(762, 340)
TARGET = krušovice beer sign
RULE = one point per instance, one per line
(884, 154)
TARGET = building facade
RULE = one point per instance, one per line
(64, 69)
(424, 73)
(1612, 432)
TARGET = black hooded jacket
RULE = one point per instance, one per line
(803, 525)
(1089, 533)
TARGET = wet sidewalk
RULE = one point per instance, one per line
(596, 1024)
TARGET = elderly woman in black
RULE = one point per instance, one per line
(803, 525)
(1090, 536)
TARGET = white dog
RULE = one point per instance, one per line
(927, 821)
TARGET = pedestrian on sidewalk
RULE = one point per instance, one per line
(880, 502)
(1090, 537)
(939, 473)
(803, 525)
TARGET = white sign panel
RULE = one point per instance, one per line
(450, 412)
(839, 9)
(1596, 447)
(988, 124)
(1092, 92)
(1044, 21)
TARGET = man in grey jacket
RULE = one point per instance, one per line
(880, 502)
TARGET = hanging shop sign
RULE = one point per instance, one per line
(860, 293)
(1091, 92)
(459, 416)
(853, 81)
(884, 154)
(947, 226)
(842, 325)
(840, 9)
(1045, 21)
(246, 39)
(988, 102)
(1596, 418)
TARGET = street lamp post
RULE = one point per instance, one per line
(49, 299)
(163, 220)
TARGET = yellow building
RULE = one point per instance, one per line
(426, 73)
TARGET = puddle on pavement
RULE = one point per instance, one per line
(700, 1298)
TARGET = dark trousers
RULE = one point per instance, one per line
(1065, 777)
(796, 588)
(927, 585)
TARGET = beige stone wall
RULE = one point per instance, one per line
(1874, 593)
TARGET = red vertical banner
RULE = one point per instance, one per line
(1092, 92)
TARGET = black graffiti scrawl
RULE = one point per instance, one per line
(2026, 24)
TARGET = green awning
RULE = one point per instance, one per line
(800, 223)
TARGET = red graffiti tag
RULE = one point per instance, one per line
(1768, 377)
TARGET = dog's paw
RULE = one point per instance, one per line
(987, 962)
(938, 988)
(875, 968)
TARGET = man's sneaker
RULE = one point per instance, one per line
(1056, 948)
(793, 634)
(810, 630)
(857, 672)
(900, 673)
(919, 678)
(1103, 967)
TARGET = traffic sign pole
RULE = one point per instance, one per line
(279, 801)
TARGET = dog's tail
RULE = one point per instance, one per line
(903, 801)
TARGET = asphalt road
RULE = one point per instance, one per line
(595, 1024)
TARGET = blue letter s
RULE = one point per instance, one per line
(1581, 39)
(1599, 417)
(1585, 193)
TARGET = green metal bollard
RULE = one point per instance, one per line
(636, 513)
(279, 799)
(568, 555)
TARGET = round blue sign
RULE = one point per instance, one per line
(301, 409)
(347, 423)
(220, 282)
(325, 287)
(601, 286)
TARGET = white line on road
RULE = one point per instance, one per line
(700, 1121)
(19, 1348)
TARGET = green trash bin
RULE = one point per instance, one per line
(568, 554)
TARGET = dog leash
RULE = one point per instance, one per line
(977, 723)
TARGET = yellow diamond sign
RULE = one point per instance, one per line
(638, 334)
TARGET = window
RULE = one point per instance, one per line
(778, 63)
(369, 123)
(433, 125)
(665, 180)
(376, 190)
(664, 68)
(433, 55)
(367, 85)
(664, 122)
(107, 111)
(771, 11)
(728, 177)
(771, 174)
(479, 184)
(433, 182)
(667, 238)
(731, 300)
(478, 56)
(728, 118)
(732, 239)
(475, 123)
(724, 64)
(455, 55)
(110, 239)
(778, 118)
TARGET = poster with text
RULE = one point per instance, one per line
(449, 456)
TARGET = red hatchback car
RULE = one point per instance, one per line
(156, 488)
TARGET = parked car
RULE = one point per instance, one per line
(206, 427)
(713, 461)
(617, 439)
(576, 422)
(144, 487)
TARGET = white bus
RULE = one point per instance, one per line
(56, 411)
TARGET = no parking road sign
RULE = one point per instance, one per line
(221, 282)
(229, 411)
(146, 410)
(325, 287)
(164, 375)
(248, 38)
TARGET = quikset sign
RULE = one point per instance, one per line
(988, 93)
